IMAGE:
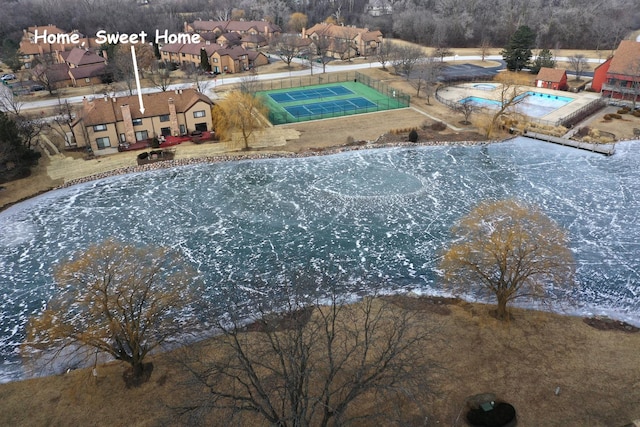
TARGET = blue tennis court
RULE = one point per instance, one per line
(329, 107)
(304, 94)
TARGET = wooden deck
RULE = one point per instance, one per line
(606, 149)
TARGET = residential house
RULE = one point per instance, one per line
(222, 59)
(552, 78)
(85, 67)
(105, 123)
(379, 7)
(244, 28)
(42, 52)
(54, 76)
(345, 42)
(619, 76)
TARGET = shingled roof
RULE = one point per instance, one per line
(101, 111)
(239, 26)
(81, 57)
(554, 75)
(626, 60)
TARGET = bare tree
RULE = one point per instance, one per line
(249, 83)
(466, 108)
(62, 121)
(510, 96)
(29, 125)
(160, 76)
(578, 63)
(510, 250)
(405, 59)
(308, 363)
(385, 52)
(323, 45)
(117, 299)
(425, 77)
(287, 47)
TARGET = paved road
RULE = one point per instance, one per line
(212, 84)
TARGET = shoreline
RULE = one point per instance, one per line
(248, 155)
(260, 156)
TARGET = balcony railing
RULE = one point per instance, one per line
(622, 89)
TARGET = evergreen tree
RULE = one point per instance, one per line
(15, 157)
(544, 59)
(204, 61)
(518, 52)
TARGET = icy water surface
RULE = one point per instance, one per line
(383, 215)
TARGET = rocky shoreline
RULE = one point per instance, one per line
(258, 155)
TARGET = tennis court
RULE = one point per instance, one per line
(329, 107)
(306, 94)
(328, 100)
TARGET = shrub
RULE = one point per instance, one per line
(350, 139)
(636, 113)
(623, 111)
(615, 116)
(607, 117)
(438, 126)
(413, 136)
(582, 132)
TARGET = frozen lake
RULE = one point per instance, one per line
(383, 215)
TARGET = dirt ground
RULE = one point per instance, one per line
(555, 370)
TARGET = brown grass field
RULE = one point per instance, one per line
(523, 362)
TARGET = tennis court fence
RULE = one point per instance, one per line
(392, 98)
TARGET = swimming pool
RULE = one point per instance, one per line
(485, 86)
(535, 104)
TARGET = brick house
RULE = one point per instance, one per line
(551, 78)
(104, 123)
(619, 76)
(345, 42)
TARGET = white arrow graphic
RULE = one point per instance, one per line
(135, 71)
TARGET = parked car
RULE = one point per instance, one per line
(37, 88)
(8, 77)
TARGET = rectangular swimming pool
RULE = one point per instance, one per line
(535, 104)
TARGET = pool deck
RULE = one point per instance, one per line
(463, 90)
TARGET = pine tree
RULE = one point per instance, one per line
(518, 52)
(204, 61)
(544, 59)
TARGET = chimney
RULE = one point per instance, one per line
(173, 118)
(127, 120)
(304, 32)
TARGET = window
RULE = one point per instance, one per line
(87, 79)
(99, 128)
(123, 137)
(142, 135)
(103, 142)
(164, 118)
(137, 122)
(215, 59)
(197, 114)
(183, 130)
